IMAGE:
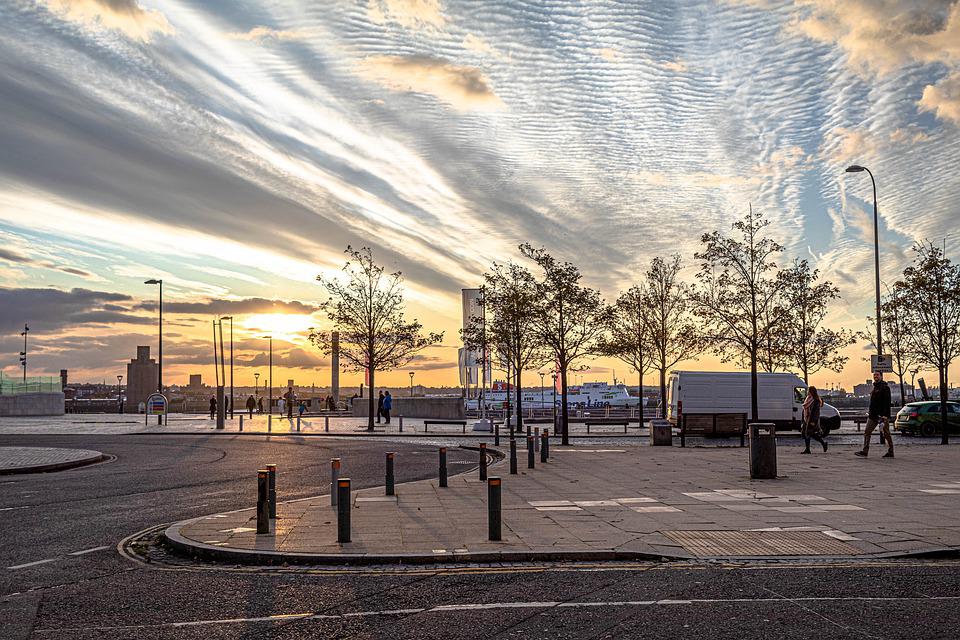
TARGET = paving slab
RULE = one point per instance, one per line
(634, 502)
(44, 459)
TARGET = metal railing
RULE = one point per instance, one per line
(35, 384)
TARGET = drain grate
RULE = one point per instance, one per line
(760, 543)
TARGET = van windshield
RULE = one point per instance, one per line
(799, 393)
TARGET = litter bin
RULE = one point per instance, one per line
(763, 450)
(661, 433)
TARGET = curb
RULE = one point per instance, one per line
(54, 466)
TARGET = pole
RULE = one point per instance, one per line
(876, 258)
(509, 427)
(483, 350)
(270, 379)
(232, 398)
(23, 360)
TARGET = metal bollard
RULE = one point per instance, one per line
(241, 422)
(483, 461)
(269, 422)
(272, 474)
(390, 455)
(493, 508)
(530, 457)
(326, 423)
(496, 435)
(528, 431)
(546, 445)
(298, 424)
(334, 476)
(543, 446)
(513, 456)
(400, 423)
(443, 466)
(263, 506)
(536, 439)
(343, 510)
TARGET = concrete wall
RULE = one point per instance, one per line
(438, 408)
(32, 404)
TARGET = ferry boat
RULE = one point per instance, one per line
(584, 396)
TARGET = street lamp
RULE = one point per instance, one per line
(230, 318)
(855, 168)
(411, 384)
(23, 354)
(256, 384)
(119, 394)
(270, 376)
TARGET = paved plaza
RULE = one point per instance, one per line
(626, 502)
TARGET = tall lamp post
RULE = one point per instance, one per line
(270, 376)
(256, 385)
(411, 384)
(119, 394)
(232, 399)
(23, 354)
(159, 342)
(855, 168)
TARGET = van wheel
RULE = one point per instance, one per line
(928, 430)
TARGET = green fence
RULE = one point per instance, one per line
(33, 384)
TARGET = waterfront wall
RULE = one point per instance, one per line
(32, 404)
(436, 408)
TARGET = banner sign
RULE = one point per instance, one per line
(881, 364)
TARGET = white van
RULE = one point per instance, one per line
(779, 397)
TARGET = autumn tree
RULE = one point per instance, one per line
(366, 306)
(736, 292)
(570, 320)
(899, 332)
(629, 334)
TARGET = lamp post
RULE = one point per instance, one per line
(159, 341)
(23, 354)
(230, 318)
(411, 384)
(256, 385)
(270, 376)
(119, 394)
(855, 168)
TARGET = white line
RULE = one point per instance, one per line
(447, 608)
(86, 551)
(32, 564)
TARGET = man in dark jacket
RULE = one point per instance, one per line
(878, 414)
(379, 407)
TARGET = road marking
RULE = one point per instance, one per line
(86, 551)
(455, 608)
(32, 564)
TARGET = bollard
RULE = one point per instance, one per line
(543, 446)
(443, 466)
(269, 422)
(763, 450)
(272, 474)
(390, 455)
(493, 508)
(334, 476)
(546, 443)
(298, 424)
(530, 458)
(241, 422)
(263, 507)
(343, 510)
(536, 439)
(513, 456)
(528, 431)
(496, 435)
(326, 423)
(400, 423)
(483, 461)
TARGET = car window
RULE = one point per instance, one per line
(799, 393)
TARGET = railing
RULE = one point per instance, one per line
(35, 384)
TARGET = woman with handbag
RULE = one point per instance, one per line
(811, 419)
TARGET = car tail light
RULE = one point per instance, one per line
(914, 414)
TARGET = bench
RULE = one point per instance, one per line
(427, 423)
(713, 424)
(606, 421)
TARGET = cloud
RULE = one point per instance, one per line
(126, 16)
(262, 34)
(55, 309)
(943, 98)
(234, 307)
(465, 88)
(609, 54)
(295, 358)
(478, 45)
(10, 255)
(706, 179)
(678, 66)
(410, 14)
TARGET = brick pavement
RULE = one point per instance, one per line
(590, 502)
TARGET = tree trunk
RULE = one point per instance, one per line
(663, 392)
(519, 403)
(903, 391)
(640, 405)
(944, 425)
(371, 402)
(564, 412)
(754, 403)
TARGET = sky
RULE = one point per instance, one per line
(234, 149)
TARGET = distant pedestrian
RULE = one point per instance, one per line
(878, 414)
(379, 407)
(387, 406)
(291, 398)
(301, 408)
(331, 404)
(811, 419)
(251, 405)
(259, 405)
(280, 405)
(213, 407)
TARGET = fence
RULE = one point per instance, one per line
(36, 384)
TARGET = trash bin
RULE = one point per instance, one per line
(661, 433)
(763, 450)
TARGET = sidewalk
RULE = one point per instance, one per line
(628, 502)
(42, 459)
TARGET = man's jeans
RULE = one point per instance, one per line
(885, 429)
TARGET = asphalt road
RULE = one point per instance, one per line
(100, 594)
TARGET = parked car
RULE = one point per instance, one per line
(923, 418)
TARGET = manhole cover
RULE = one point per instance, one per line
(760, 543)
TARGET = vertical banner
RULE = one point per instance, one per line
(469, 358)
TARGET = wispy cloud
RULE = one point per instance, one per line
(126, 16)
(462, 87)
(411, 14)
(265, 34)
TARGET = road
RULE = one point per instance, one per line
(65, 527)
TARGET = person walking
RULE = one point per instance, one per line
(259, 405)
(291, 398)
(301, 408)
(379, 407)
(387, 406)
(811, 419)
(213, 407)
(251, 405)
(878, 414)
(280, 405)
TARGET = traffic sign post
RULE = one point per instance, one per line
(156, 405)
(881, 363)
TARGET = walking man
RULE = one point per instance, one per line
(213, 407)
(879, 414)
(259, 405)
(379, 407)
(387, 406)
(251, 405)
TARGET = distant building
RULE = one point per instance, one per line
(63, 378)
(142, 376)
(865, 389)
(196, 381)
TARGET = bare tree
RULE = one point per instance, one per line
(366, 308)
(736, 291)
(629, 335)
(673, 334)
(899, 332)
(930, 290)
(571, 319)
(806, 344)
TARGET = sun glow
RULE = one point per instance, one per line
(291, 327)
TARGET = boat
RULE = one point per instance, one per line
(588, 395)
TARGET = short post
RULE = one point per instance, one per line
(269, 422)
(513, 456)
(528, 430)
(483, 461)
(588, 428)
(493, 508)
(390, 455)
(343, 510)
(400, 423)
(272, 474)
(496, 435)
(543, 446)
(326, 423)
(443, 466)
(530, 456)
(241, 422)
(683, 430)
(298, 424)
(536, 439)
(334, 476)
(263, 506)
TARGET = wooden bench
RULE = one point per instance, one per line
(606, 421)
(713, 425)
(427, 423)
